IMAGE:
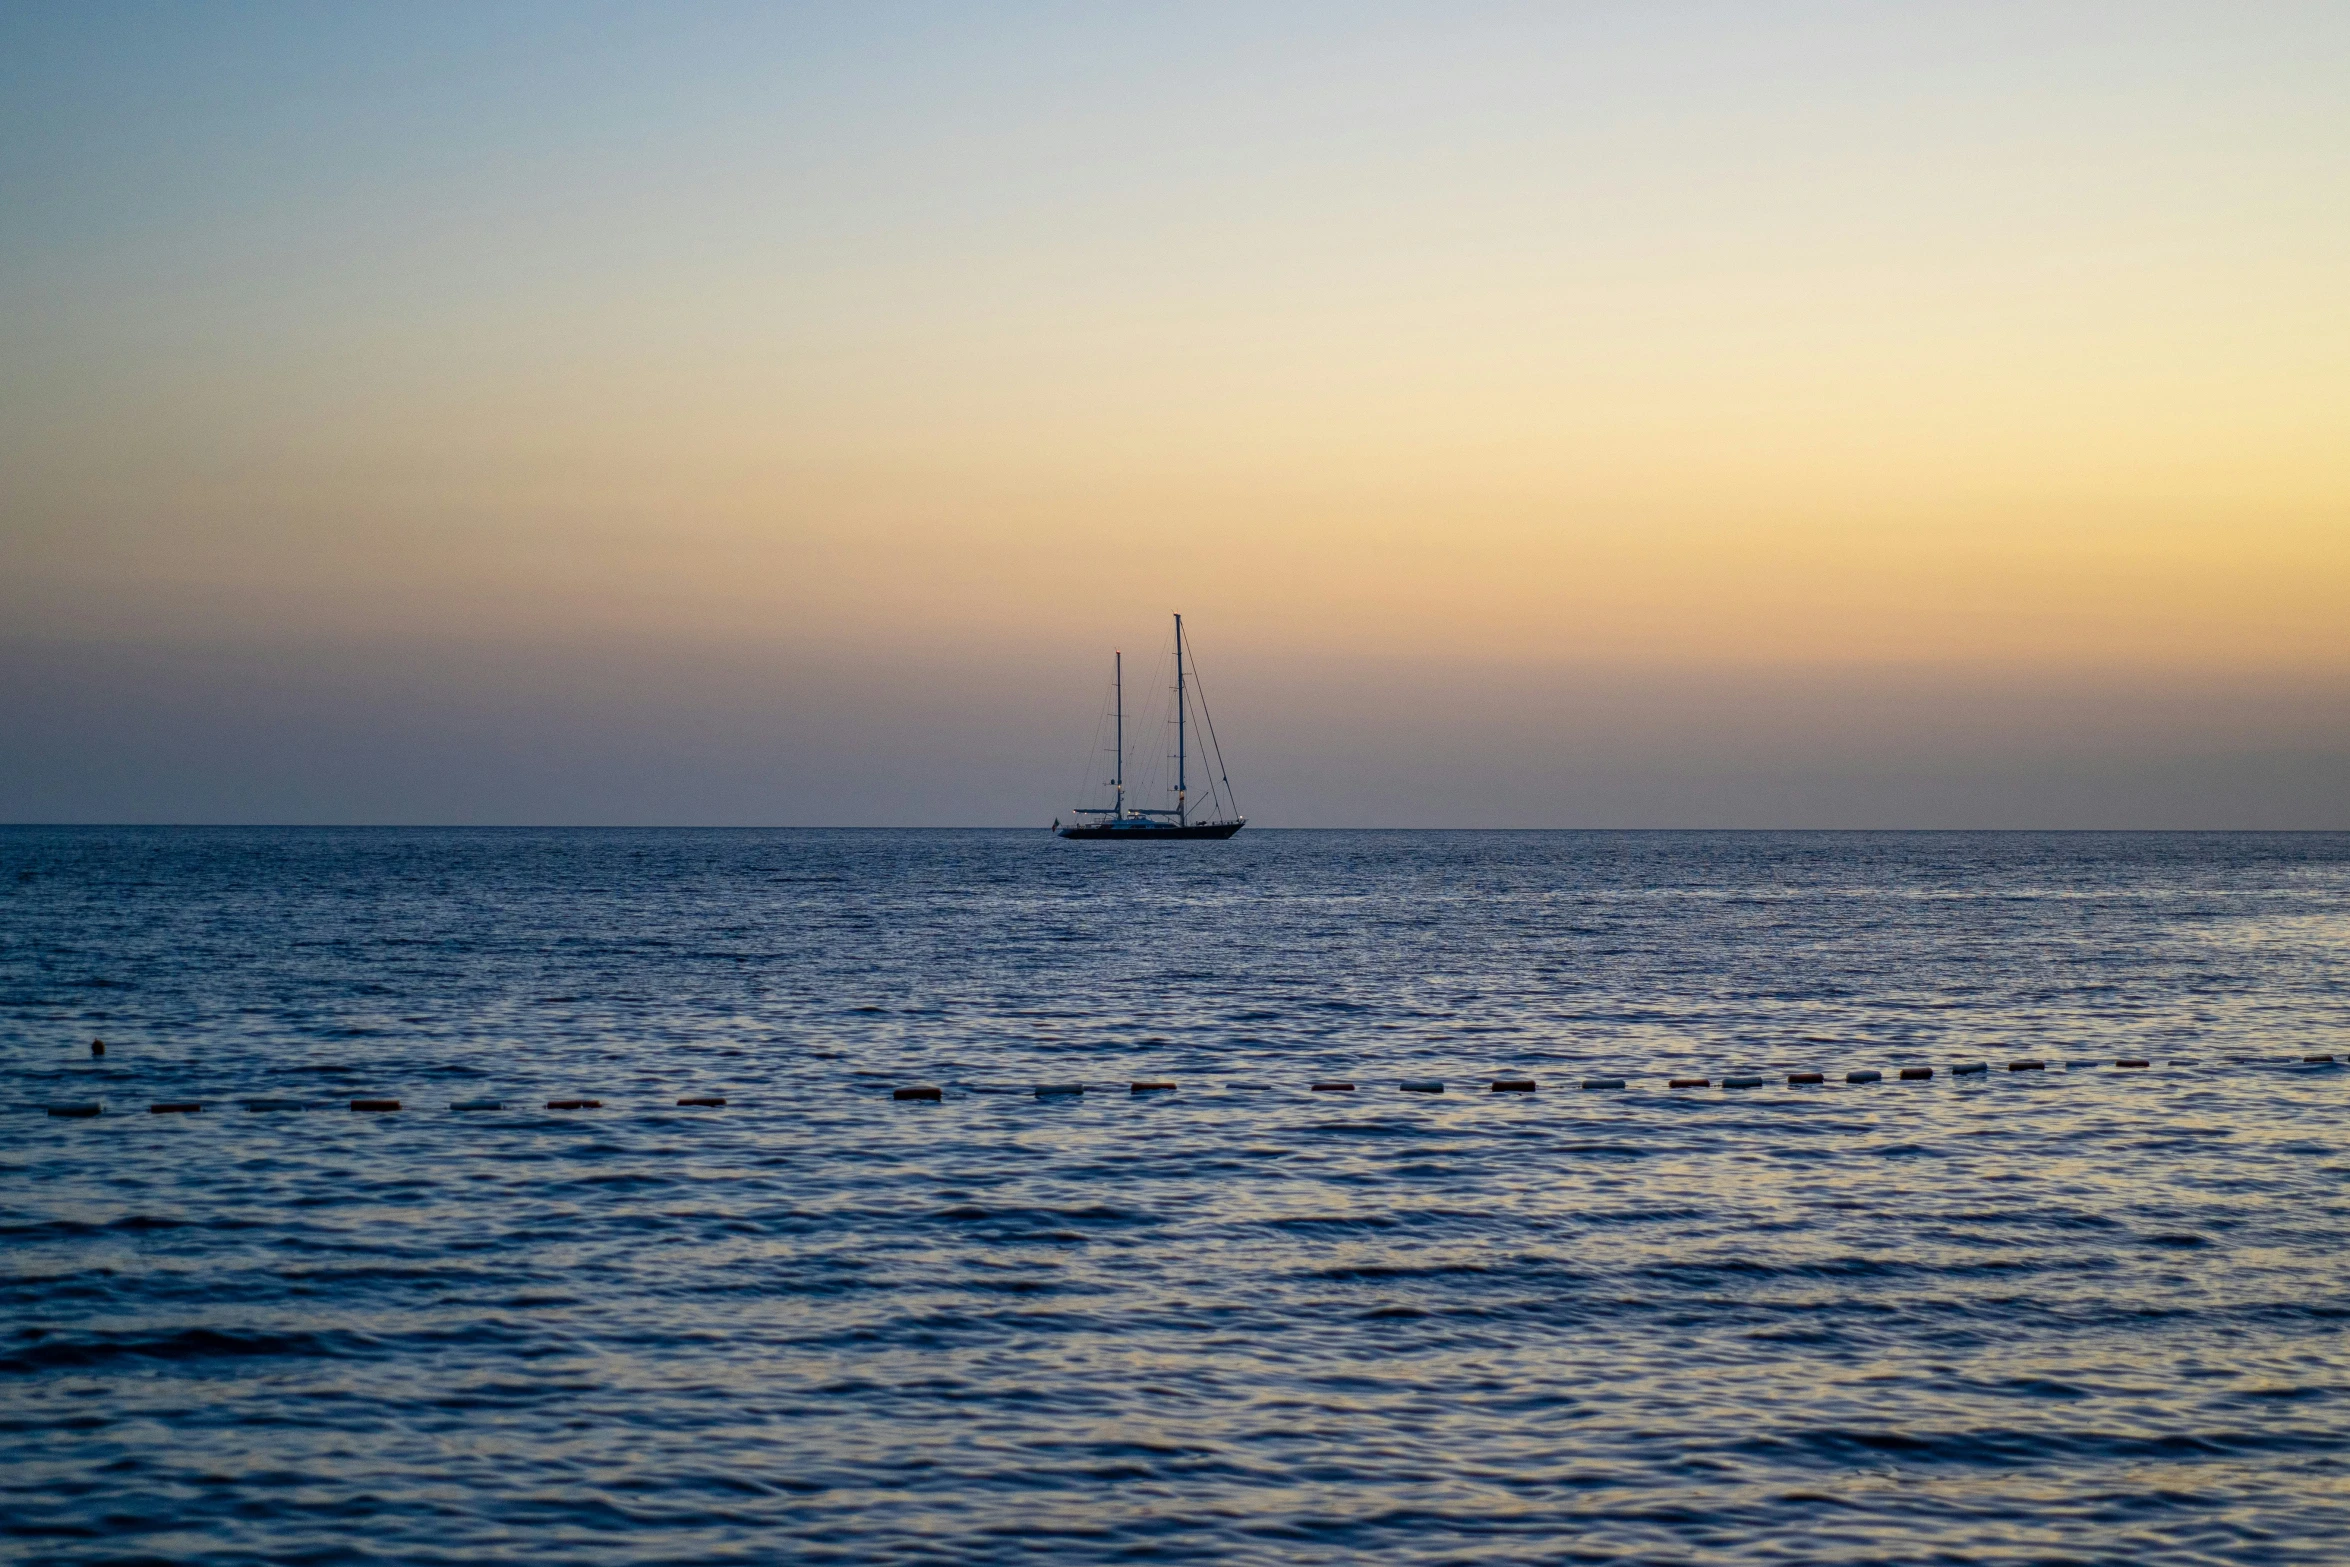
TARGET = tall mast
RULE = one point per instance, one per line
(1118, 775)
(1179, 704)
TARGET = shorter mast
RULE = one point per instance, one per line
(1179, 704)
(1118, 774)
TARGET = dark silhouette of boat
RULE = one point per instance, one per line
(1119, 822)
(1140, 827)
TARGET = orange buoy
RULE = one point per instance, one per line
(1152, 1088)
(1334, 1088)
(375, 1104)
(710, 1103)
(181, 1107)
(917, 1093)
(2027, 1066)
(2129, 1063)
(1690, 1082)
(1916, 1074)
(1796, 1079)
(77, 1112)
(575, 1104)
(1514, 1085)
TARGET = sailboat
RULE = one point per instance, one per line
(1129, 823)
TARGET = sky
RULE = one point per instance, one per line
(1631, 415)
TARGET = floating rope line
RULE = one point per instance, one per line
(931, 1093)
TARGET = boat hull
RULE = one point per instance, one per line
(1153, 832)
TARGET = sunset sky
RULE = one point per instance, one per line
(1609, 415)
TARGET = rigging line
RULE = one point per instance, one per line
(1216, 795)
(1208, 723)
(1209, 719)
(1094, 747)
(1213, 802)
(1155, 775)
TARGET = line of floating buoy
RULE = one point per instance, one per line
(194, 1107)
(1508, 1085)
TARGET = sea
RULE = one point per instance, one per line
(2078, 1313)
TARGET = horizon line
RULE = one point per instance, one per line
(178, 826)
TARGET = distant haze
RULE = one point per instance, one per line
(1652, 414)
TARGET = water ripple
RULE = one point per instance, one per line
(2088, 1314)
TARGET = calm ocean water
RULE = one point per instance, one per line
(2085, 1315)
